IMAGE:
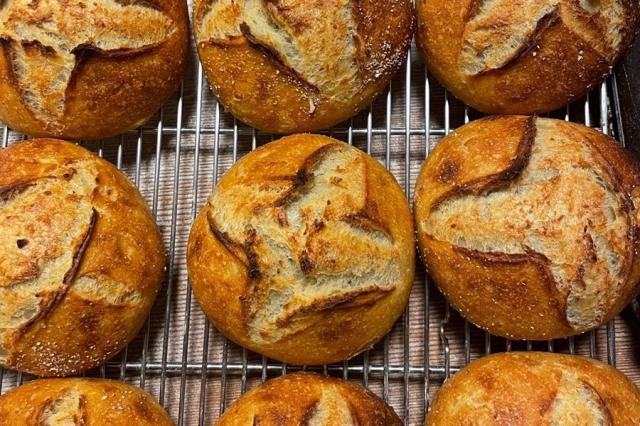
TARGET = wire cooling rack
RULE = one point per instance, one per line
(179, 156)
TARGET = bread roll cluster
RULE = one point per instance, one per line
(305, 252)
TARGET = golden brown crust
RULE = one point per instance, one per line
(534, 388)
(81, 402)
(524, 56)
(537, 240)
(309, 399)
(82, 259)
(59, 81)
(304, 252)
(280, 67)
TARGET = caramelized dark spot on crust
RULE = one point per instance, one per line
(303, 176)
(589, 246)
(309, 413)
(547, 403)
(245, 253)
(22, 242)
(448, 171)
(233, 248)
(487, 380)
(299, 181)
(305, 263)
(36, 45)
(547, 21)
(474, 8)
(71, 173)
(141, 406)
(486, 183)
(276, 59)
(252, 256)
(10, 191)
(70, 276)
(223, 237)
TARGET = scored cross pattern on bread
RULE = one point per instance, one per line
(296, 66)
(524, 56)
(67, 409)
(564, 411)
(55, 36)
(499, 32)
(80, 258)
(558, 204)
(306, 399)
(304, 251)
(536, 388)
(331, 409)
(316, 44)
(42, 250)
(292, 237)
(80, 402)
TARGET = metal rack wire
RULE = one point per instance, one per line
(179, 156)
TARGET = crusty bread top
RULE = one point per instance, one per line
(306, 64)
(45, 41)
(80, 258)
(80, 402)
(309, 399)
(552, 193)
(317, 43)
(524, 56)
(498, 32)
(308, 232)
(537, 389)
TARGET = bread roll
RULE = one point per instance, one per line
(80, 402)
(287, 66)
(81, 259)
(304, 252)
(537, 389)
(529, 225)
(309, 399)
(523, 56)
(89, 69)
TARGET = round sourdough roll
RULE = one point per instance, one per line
(536, 389)
(81, 259)
(304, 252)
(309, 399)
(89, 69)
(523, 56)
(287, 66)
(81, 402)
(529, 225)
